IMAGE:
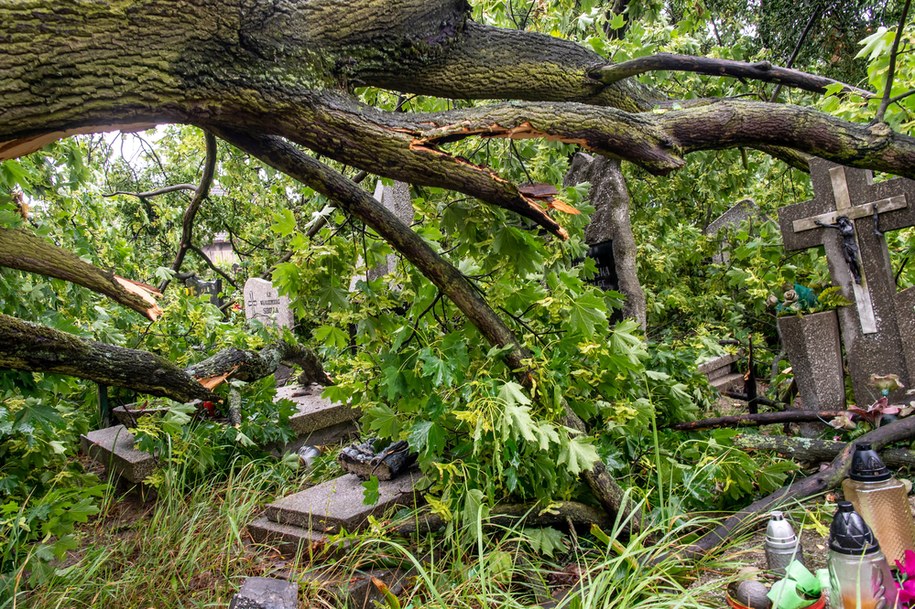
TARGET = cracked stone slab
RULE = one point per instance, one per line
(338, 503)
(314, 412)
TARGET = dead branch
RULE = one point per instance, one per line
(709, 66)
(765, 418)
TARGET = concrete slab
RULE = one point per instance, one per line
(314, 412)
(337, 503)
(724, 361)
(266, 593)
(113, 447)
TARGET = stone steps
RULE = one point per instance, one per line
(318, 421)
(302, 522)
(718, 367)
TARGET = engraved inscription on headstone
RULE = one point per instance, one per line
(848, 217)
(263, 303)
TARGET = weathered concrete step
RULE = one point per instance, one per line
(113, 447)
(316, 413)
(731, 382)
(337, 503)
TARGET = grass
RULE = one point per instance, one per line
(189, 549)
(186, 550)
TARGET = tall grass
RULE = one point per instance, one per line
(187, 550)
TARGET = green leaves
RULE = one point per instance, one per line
(545, 541)
(370, 491)
(331, 336)
(283, 223)
(578, 454)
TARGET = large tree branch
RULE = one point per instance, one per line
(764, 418)
(22, 250)
(762, 70)
(200, 193)
(27, 346)
(812, 449)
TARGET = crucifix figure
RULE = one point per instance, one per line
(847, 217)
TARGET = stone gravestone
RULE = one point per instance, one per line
(396, 199)
(846, 217)
(740, 212)
(264, 303)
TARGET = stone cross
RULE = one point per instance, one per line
(878, 331)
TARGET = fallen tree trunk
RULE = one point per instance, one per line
(819, 482)
(286, 158)
(24, 251)
(35, 348)
(765, 418)
(246, 365)
(810, 449)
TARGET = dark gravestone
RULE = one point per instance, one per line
(199, 287)
(602, 254)
(878, 330)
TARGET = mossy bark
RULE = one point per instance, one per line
(27, 346)
(22, 250)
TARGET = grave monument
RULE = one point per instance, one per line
(848, 216)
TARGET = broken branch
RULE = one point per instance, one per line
(24, 251)
(765, 418)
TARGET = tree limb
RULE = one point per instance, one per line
(152, 193)
(812, 449)
(797, 47)
(187, 223)
(24, 251)
(762, 70)
(823, 480)
(444, 276)
(891, 73)
(30, 347)
(765, 418)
